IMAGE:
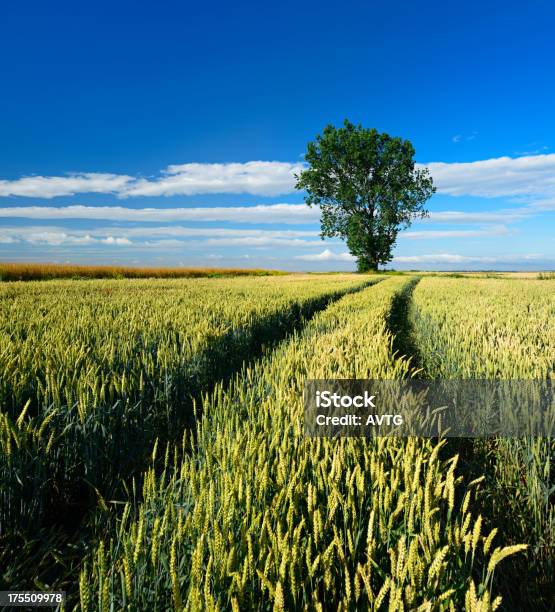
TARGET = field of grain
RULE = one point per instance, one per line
(152, 452)
(47, 271)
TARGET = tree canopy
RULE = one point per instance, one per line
(367, 187)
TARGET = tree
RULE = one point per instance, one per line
(367, 187)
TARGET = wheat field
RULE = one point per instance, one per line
(153, 457)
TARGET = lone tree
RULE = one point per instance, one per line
(367, 187)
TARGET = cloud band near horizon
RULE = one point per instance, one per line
(207, 236)
(433, 258)
(290, 214)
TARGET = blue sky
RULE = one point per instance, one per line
(167, 133)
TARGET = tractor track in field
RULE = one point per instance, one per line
(73, 544)
(399, 324)
(474, 461)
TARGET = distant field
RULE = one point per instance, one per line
(490, 274)
(152, 452)
(47, 271)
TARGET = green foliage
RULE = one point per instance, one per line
(257, 515)
(247, 512)
(94, 371)
(501, 329)
(367, 187)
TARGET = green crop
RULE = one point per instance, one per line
(153, 455)
(501, 329)
(92, 372)
(258, 516)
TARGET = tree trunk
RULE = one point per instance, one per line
(367, 264)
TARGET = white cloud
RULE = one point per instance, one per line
(261, 241)
(529, 175)
(256, 242)
(55, 237)
(494, 216)
(214, 256)
(218, 236)
(53, 186)
(271, 213)
(500, 230)
(534, 149)
(165, 243)
(173, 231)
(254, 177)
(435, 258)
(542, 205)
(264, 178)
(451, 258)
(532, 175)
(211, 232)
(327, 255)
(119, 241)
(167, 237)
